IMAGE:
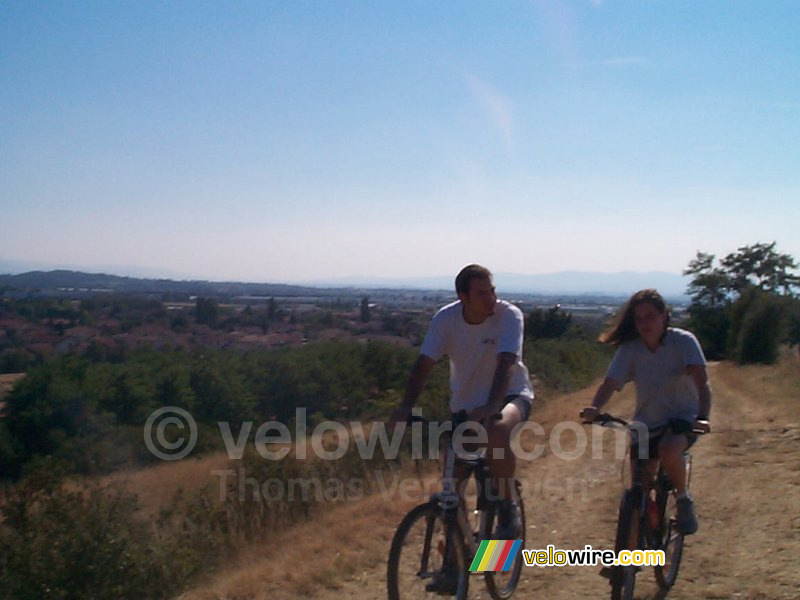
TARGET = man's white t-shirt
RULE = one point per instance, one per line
(664, 390)
(473, 351)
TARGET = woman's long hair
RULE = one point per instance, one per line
(623, 329)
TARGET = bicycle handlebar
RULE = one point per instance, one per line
(458, 418)
(609, 420)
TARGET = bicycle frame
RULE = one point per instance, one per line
(459, 543)
(660, 535)
(662, 487)
(451, 502)
(642, 493)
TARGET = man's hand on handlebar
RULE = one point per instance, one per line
(401, 414)
(484, 414)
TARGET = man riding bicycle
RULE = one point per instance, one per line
(482, 336)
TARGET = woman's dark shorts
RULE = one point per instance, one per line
(676, 426)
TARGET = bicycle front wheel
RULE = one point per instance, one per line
(502, 584)
(424, 550)
(623, 578)
(671, 543)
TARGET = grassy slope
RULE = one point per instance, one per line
(746, 482)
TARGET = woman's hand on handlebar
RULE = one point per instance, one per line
(701, 426)
(589, 413)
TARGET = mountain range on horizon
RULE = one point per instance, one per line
(618, 284)
(621, 283)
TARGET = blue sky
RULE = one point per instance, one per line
(292, 141)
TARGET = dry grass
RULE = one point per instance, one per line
(345, 544)
(745, 483)
(158, 487)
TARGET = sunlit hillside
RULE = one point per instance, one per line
(745, 480)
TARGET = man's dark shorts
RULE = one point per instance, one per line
(523, 403)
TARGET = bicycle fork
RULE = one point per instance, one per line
(454, 512)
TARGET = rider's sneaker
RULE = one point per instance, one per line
(686, 521)
(444, 583)
(509, 521)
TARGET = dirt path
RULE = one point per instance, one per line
(746, 483)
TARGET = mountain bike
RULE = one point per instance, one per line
(647, 521)
(446, 532)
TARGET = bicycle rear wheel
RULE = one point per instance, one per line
(623, 578)
(418, 551)
(501, 584)
(671, 542)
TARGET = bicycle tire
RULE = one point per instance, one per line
(417, 553)
(623, 578)
(671, 541)
(501, 585)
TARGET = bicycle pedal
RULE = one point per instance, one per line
(443, 584)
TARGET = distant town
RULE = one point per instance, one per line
(49, 313)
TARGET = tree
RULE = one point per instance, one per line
(710, 290)
(365, 314)
(762, 266)
(793, 329)
(710, 286)
(552, 323)
(738, 306)
(757, 265)
(206, 312)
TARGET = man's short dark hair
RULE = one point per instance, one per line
(469, 273)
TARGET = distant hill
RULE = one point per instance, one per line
(63, 280)
(15, 267)
(573, 283)
(622, 283)
(565, 283)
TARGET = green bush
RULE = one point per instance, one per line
(757, 327)
(89, 415)
(568, 363)
(793, 328)
(710, 324)
(79, 544)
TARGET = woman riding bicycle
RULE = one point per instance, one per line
(673, 397)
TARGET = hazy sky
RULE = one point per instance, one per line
(287, 141)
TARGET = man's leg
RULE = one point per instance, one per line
(499, 455)
(502, 463)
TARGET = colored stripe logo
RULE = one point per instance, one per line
(496, 555)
